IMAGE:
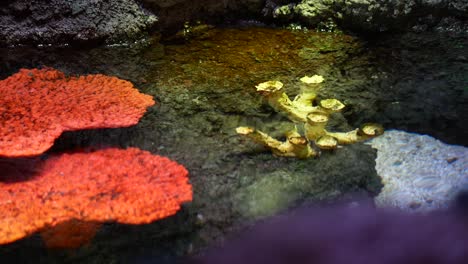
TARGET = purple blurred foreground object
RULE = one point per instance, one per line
(352, 235)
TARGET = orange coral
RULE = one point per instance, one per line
(128, 186)
(37, 105)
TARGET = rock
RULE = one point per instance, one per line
(64, 22)
(459, 6)
(163, 3)
(369, 15)
(174, 13)
(419, 173)
(330, 176)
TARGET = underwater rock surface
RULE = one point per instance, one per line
(287, 182)
(205, 87)
(64, 22)
(59, 22)
(419, 173)
(174, 13)
(368, 15)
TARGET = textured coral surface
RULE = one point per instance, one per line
(37, 105)
(128, 186)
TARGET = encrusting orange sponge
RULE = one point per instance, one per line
(128, 186)
(37, 105)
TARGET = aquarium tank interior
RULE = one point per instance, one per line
(234, 131)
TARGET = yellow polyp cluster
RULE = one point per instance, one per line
(313, 117)
(295, 145)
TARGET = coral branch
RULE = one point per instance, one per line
(294, 146)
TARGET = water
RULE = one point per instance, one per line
(204, 86)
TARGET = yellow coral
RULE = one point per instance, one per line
(313, 79)
(295, 145)
(314, 118)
